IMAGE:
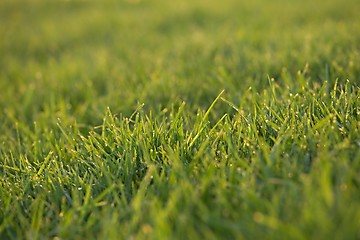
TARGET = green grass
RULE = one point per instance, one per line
(180, 120)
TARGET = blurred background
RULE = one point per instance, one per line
(73, 59)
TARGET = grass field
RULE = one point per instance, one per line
(180, 119)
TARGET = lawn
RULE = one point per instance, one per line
(154, 119)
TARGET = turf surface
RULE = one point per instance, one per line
(186, 120)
